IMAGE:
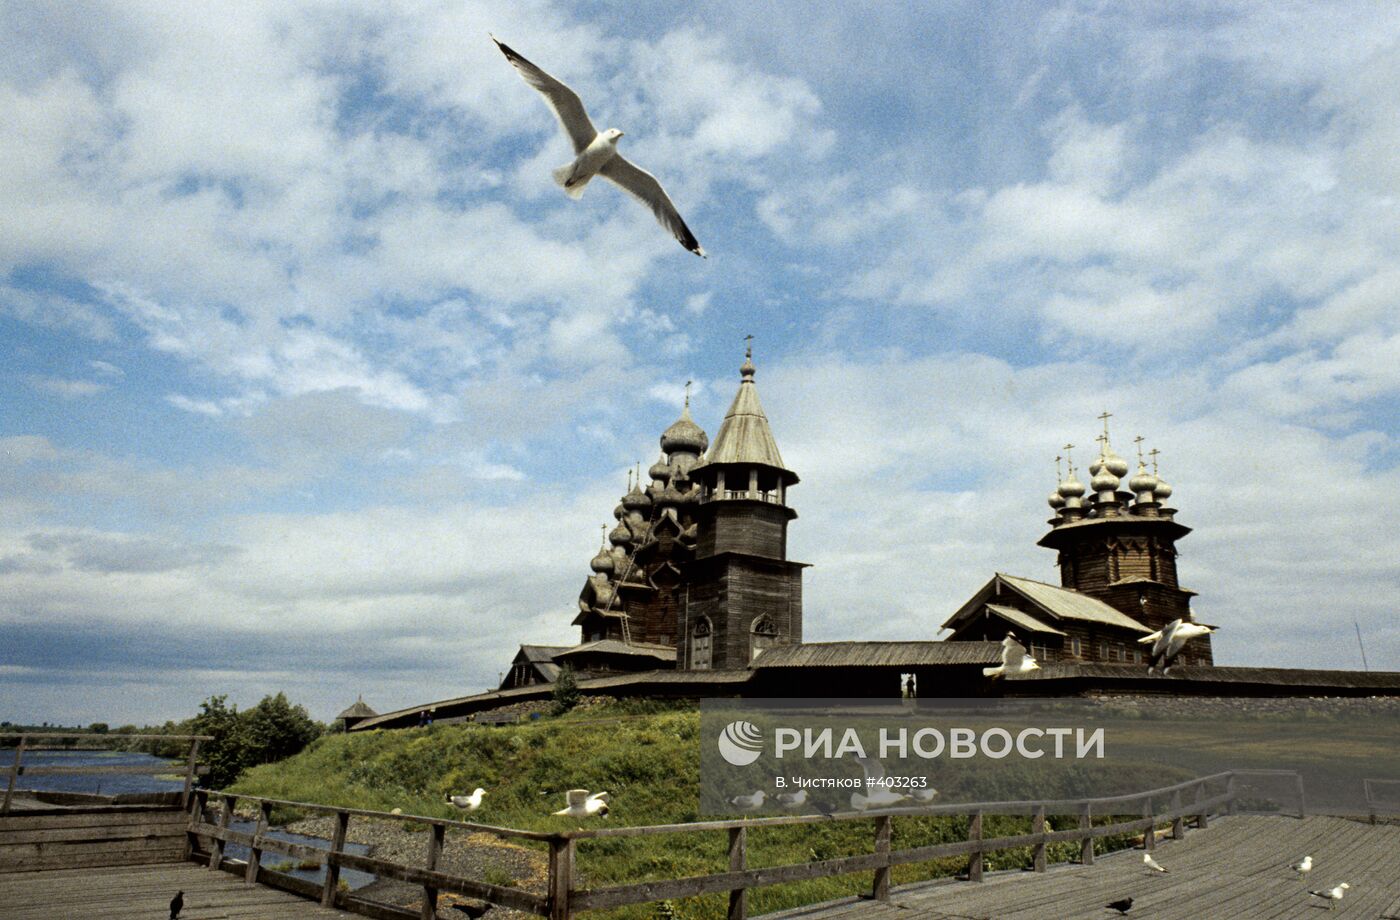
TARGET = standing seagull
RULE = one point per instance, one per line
(1014, 659)
(1152, 864)
(1331, 895)
(1302, 866)
(596, 154)
(1168, 642)
(177, 903)
(467, 802)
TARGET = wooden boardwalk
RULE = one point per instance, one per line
(144, 892)
(1236, 868)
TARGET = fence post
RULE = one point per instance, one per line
(1231, 791)
(1086, 824)
(1178, 823)
(883, 827)
(1038, 827)
(430, 894)
(189, 772)
(332, 882)
(217, 856)
(196, 813)
(974, 863)
(561, 877)
(1202, 819)
(1370, 802)
(250, 875)
(14, 774)
(1149, 836)
(1302, 802)
(738, 862)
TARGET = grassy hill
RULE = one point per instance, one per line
(645, 755)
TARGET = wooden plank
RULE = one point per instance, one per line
(1038, 853)
(332, 881)
(738, 862)
(880, 890)
(562, 899)
(974, 836)
(430, 894)
(135, 818)
(14, 774)
(97, 832)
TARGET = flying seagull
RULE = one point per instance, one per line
(596, 154)
(1331, 895)
(878, 793)
(1302, 866)
(579, 804)
(1122, 905)
(923, 796)
(1168, 642)
(1014, 659)
(467, 802)
(1151, 863)
(176, 904)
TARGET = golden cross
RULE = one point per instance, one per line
(1153, 454)
(687, 393)
(1138, 441)
(748, 351)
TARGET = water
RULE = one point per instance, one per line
(119, 783)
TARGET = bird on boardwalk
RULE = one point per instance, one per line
(177, 904)
(1302, 866)
(792, 799)
(1331, 895)
(579, 804)
(748, 802)
(1122, 905)
(1014, 659)
(467, 802)
(596, 154)
(1168, 642)
(1152, 864)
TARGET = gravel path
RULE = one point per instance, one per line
(474, 856)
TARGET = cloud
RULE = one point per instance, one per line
(67, 389)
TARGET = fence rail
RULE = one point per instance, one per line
(18, 769)
(1194, 800)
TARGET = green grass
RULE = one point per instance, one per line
(647, 757)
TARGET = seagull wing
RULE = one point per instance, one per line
(874, 770)
(575, 797)
(601, 796)
(1013, 654)
(643, 186)
(565, 103)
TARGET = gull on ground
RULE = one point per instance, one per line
(579, 804)
(596, 154)
(754, 800)
(1151, 863)
(1302, 866)
(467, 802)
(1331, 895)
(1014, 659)
(877, 793)
(792, 799)
(1168, 642)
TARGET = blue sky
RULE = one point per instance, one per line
(315, 382)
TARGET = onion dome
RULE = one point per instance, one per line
(1114, 463)
(603, 562)
(620, 535)
(1161, 491)
(1071, 487)
(618, 512)
(1142, 480)
(684, 435)
(1104, 480)
(660, 471)
(636, 500)
(1056, 500)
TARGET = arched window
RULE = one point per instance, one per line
(762, 635)
(700, 647)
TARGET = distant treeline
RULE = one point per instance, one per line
(272, 730)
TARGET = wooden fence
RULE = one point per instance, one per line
(1376, 800)
(62, 830)
(1193, 800)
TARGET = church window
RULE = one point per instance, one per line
(1103, 651)
(1075, 647)
(763, 635)
(700, 645)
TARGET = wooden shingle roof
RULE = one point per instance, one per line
(877, 654)
(1054, 602)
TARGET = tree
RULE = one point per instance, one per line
(565, 690)
(225, 754)
(275, 729)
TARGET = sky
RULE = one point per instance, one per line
(314, 382)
